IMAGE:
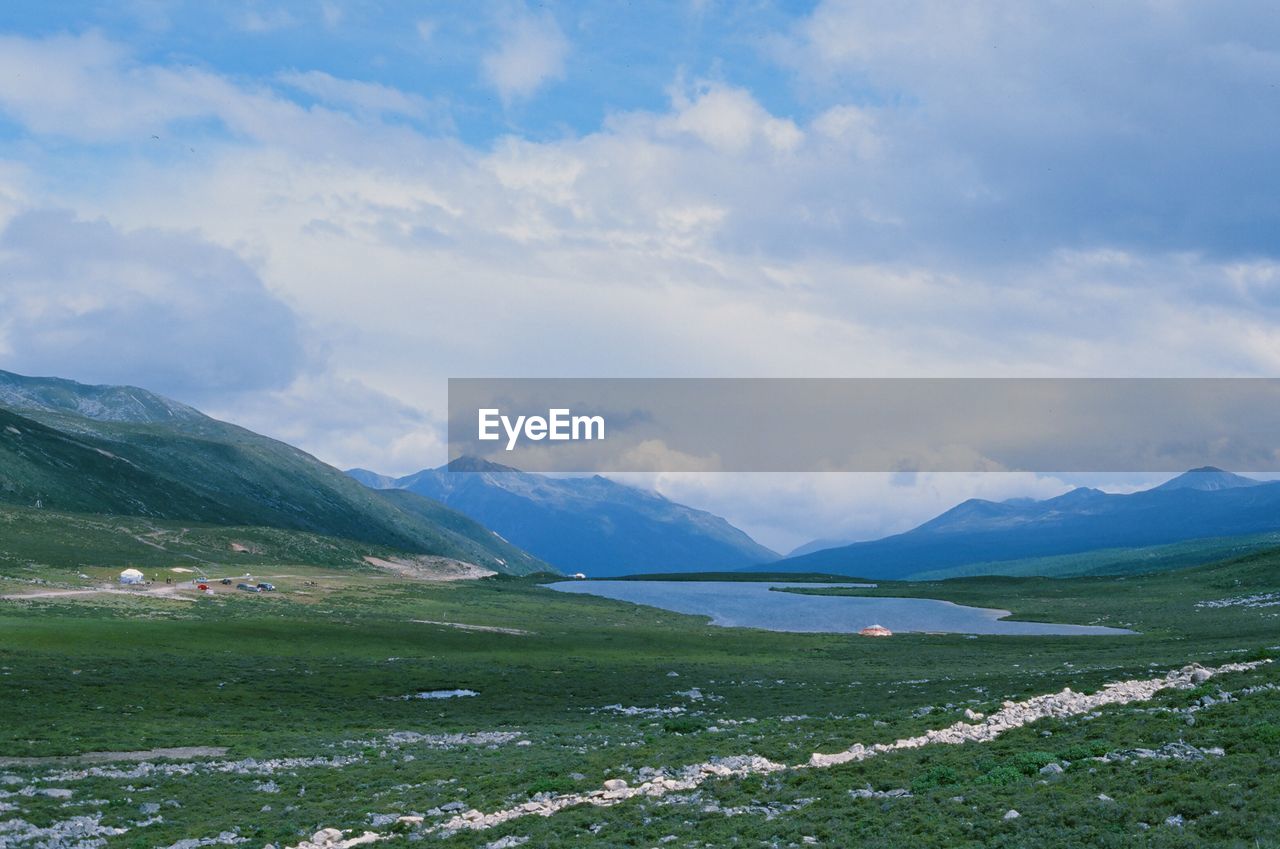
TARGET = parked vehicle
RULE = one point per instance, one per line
(226, 582)
(249, 588)
(267, 587)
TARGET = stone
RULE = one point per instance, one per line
(326, 836)
(1011, 814)
(615, 784)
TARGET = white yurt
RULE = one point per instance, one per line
(131, 576)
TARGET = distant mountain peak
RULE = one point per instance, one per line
(373, 480)
(593, 524)
(1207, 479)
(1074, 496)
(475, 464)
(97, 402)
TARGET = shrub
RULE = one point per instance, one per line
(1266, 732)
(681, 725)
(1001, 776)
(935, 776)
(1087, 749)
(1029, 763)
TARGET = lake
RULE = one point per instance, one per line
(754, 604)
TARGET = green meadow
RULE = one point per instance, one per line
(306, 690)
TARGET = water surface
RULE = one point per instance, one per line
(754, 604)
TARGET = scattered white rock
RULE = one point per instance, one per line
(867, 793)
(1011, 715)
(508, 842)
(1247, 601)
(1017, 714)
(1167, 752)
(225, 838)
(85, 830)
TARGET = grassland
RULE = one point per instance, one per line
(304, 688)
(1117, 561)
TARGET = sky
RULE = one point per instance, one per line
(304, 217)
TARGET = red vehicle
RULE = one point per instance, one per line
(204, 588)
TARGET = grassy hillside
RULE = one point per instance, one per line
(76, 541)
(200, 470)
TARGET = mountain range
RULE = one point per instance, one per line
(71, 449)
(119, 450)
(1202, 503)
(583, 524)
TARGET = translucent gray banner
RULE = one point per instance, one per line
(867, 425)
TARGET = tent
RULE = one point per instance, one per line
(131, 576)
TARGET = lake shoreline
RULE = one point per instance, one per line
(768, 606)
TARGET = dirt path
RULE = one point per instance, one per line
(167, 591)
(493, 629)
(179, 753)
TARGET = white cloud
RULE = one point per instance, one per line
(159, 308)
(730, 120)
(340, 419)
(530, 52)
(783, 511)
(713, 237)
(361, 96)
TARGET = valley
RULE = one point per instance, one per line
(396, 661)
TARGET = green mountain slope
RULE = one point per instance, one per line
(38, 537)
(147, 456)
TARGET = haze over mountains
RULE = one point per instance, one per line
(117, 450)
(593, 525)
(1198, 504)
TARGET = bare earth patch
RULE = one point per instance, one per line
(166, 591)
(493, 629)
(179, 753)
(430, 568)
